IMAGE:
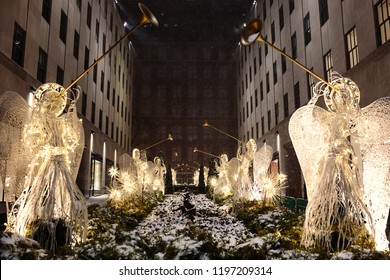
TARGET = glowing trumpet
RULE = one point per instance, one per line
(146, 17)
(252, 33)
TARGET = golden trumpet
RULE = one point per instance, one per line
(170, 138)
(206, 124)
(146, 17)
(252, 33)
(195, 150)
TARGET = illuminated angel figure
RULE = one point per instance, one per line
(51, 208)
(223, 188)
(336, 214)
(244, 182)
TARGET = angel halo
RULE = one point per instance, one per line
(51, 208)
(345, 201)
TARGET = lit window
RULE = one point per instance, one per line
(383, 16)
(352, 48)
(328, 62)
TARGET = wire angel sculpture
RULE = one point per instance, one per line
(267, 187)
(345, 202)
(244, 183)
(51, 208)
(223, 189)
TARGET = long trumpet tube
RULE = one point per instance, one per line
(146, 17)
(251, 33)
(206, 153)
(170, 138)
(206, 124)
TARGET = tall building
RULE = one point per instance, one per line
(55, 41)
(346, 36)
(186, 76)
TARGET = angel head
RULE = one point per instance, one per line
(224, 158)
(251, 146)
(50, 99)
(136, 154)
(346, 99)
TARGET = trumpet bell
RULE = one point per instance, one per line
(147, 15)
(252, 32)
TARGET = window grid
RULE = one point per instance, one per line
(352, 48)
(328, 62)
(383, 17)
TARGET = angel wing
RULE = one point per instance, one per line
(127, 163)
(308, 129)
(232, 170)
(76, 139)
(375, 150)
(14, 153)
(261, 161)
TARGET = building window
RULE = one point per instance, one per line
(265, 47)
(104, 43)
(78, 3)
(260, 60)
(100, 119)
(89, 15)
(95, 73)
(42, 66)
(247, 109)
(113, 97)
(281, 18)
(264, 11)
(18, 45)
(117, 103)
(86, 58)
(291, 5)
(111, 18)
(267, 82)
(276, 113)
(307, 29)
(84, 105)
(273, 32)
(97, 31)
(352, 48)
(251, 104)
(250, 74)
(254, 66)
(117, 134)
(63, 26)
(102, 81)
(297, 97)
(324, 15)
(243, 114)
(257, 130)
(107, 122)
(60, 76)
(261, 91)
(262, 126)
(284, 65)
(285, 105)
(269, 120)
(275, 72)
(108, 90)
(76, 44)
(383, 20)
(112, 130)
(46, 10)
(311, 84)
(294, 46)
(328, 63)
(256, 99)
(93, 112)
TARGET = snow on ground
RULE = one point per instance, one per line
(168, 233)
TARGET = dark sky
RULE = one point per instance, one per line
(190, 20)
